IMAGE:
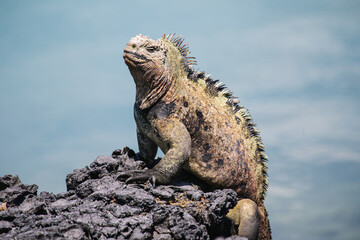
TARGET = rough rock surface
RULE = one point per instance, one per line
(98, 206)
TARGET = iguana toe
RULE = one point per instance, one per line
(141, 176)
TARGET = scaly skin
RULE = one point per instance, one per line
(199, 126)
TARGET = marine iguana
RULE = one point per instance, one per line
(200, 127)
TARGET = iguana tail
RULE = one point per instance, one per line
(264, 228)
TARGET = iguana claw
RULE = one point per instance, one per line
(139, 176)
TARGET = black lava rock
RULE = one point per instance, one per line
(98, 206)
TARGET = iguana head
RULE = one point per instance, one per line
(155, 65)
(142, 51)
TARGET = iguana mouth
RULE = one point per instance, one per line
(134, 58)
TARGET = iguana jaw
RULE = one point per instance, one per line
(132, 59)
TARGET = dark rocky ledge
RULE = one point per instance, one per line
(97, 206)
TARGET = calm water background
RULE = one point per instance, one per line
(66, 95)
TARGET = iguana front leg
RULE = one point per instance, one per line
(147, 148)
(176, 143)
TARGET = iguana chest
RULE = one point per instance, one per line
(143, 121)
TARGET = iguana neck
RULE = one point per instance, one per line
(142, 86)
(158, 82)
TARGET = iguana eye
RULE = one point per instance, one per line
(151, 49)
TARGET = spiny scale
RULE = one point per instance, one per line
(183, 48)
